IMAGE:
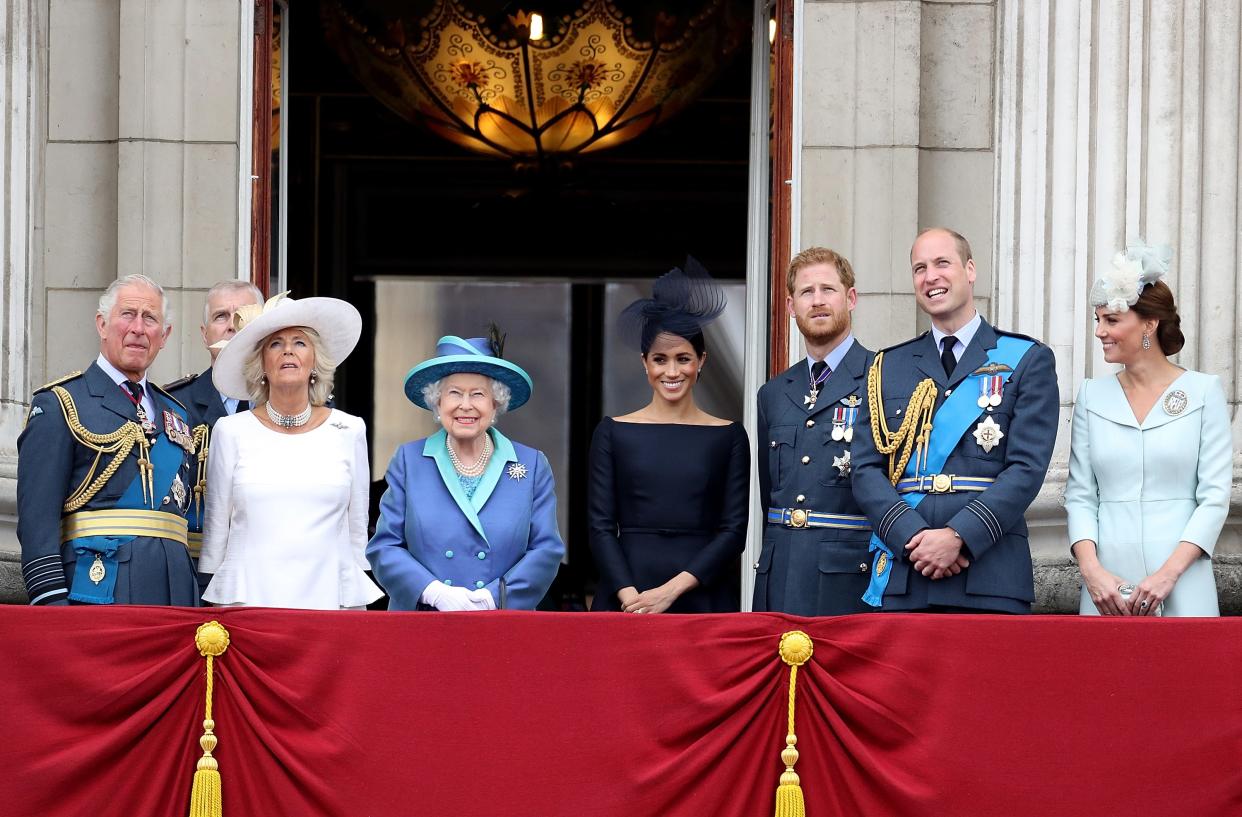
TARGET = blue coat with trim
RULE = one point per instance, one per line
(810, 571)
(429, 529)
(50, 466)
(991, 522)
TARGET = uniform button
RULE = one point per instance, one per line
(449, 582)
(862, 568)
(756, 565)
(482, 555)
(805, 459)
(448, 554)
(479, 584)
(772, 444)
(166, 500)
(899, 411)
(801, 497)
(810, 424)
(947, 392)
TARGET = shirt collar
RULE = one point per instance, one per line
(834, 357)
(964, 335)
(118, 377)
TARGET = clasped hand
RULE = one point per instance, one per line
(446, 598)
(936, 553)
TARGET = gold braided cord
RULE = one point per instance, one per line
(795, 650)
(119, 443)
(915, 426)
(202, 433)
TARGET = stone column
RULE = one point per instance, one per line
(1117, 121)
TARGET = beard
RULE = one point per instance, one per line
(824, 332)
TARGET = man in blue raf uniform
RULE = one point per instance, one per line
(199, 394)
(814, 560)
(104, 467)
(954, 450)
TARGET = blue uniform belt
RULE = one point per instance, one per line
(943, 484)
(127, 522)
(801, 518)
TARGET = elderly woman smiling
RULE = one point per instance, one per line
(287, 482)
(469, 518)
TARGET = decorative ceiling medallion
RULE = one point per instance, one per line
(587, 84)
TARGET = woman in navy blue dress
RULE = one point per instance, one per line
(669, 483)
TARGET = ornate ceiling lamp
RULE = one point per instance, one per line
(530, 87)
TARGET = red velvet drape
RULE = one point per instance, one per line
(605, 714)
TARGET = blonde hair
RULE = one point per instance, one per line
(322, 372)
(819, 255)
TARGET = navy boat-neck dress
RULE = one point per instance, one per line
(664, 498)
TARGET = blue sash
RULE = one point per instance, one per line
(167, 458)
(948, 426)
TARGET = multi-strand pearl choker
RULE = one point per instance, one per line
(479, 466)
(289, 420)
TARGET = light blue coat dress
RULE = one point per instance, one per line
(1138, 489)
(429, 529)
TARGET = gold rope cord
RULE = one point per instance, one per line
(201, 436)
(915, 426)
(795, 650)
(212, 640)
(119, 442)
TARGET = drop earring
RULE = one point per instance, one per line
(1146, 341)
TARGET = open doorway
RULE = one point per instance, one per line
(428, 238)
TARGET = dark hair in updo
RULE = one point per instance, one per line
(695, 339)
(1156, 302)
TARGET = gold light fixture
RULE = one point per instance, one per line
(533, 86)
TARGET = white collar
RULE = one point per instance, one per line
(118, 377)
(964, 335)
(834, 358)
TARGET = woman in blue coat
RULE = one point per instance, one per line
(1151, 459)
(469, 518)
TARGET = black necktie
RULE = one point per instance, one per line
(817, 370)
(135, 389)
(946, 354)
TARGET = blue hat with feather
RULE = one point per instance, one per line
(456, 355)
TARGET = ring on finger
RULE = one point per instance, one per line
(1144, 604)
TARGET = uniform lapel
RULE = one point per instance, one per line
(927, 358)
(207, 400)
(798, 384)
(436, 447)
(110, 394)
(976, 353)
(844, 379)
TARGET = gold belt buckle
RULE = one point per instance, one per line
(797, 518)
(942, 483)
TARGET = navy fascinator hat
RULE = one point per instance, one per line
(682, 302)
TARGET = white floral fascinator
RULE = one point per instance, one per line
(1140, 265)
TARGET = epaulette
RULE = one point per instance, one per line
(917, 337)
(1018, 335)
(58, 381)
(176, 384)
(162, 391)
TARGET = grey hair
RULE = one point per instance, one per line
(108, 299)
(323, 371)
(233, 285)
(501, 395)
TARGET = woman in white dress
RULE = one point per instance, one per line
(1151, 457)
(288, 481)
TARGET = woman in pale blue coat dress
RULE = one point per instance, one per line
(1151, 457)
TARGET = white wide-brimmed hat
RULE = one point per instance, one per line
(338, 323)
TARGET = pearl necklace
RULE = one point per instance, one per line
(480, 464)
(288, 420)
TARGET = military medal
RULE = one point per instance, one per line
(809, 399)
(97, 571)
(178, 431)
(178, 491)
(1175, 402)
(148, 427)
(988, 434)
(991, 392)
(842, 464)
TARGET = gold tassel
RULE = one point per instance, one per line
(212, 640)
(795, 650)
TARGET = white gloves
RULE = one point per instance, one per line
(445, 597)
